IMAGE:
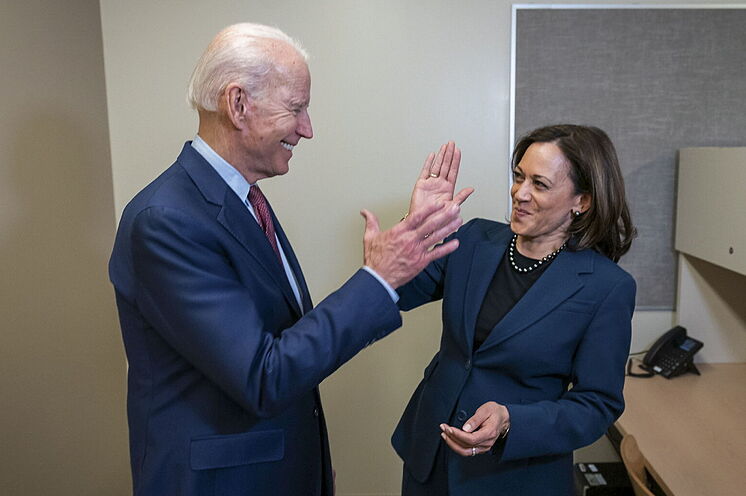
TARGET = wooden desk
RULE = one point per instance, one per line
(691, 429)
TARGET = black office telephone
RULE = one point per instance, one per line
(671, 355)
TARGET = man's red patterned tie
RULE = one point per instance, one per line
(261, 209)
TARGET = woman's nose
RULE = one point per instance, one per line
(521, 191)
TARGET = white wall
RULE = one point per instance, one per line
(391, 81)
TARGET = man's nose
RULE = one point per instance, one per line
(304, 125)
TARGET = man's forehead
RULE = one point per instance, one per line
(282, 52)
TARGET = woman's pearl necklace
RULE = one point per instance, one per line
(537, 263)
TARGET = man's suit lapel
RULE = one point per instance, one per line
(294, 265)
(236, 219)
(484, 262)
(558, 283)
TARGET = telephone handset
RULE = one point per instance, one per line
(672, 354)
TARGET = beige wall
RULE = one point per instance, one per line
(61, 363)
(391, 81)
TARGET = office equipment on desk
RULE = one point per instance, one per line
(672, 354)
(691, 430)
(602, 479)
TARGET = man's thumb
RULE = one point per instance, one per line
(371, 222)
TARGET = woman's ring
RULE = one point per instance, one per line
(433, 175)
(473, 451)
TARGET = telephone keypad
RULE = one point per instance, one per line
(673, 361)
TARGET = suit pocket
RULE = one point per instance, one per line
(237, 449)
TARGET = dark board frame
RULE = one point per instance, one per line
(656, 79)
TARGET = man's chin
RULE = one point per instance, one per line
(280, 170)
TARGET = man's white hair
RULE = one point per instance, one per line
(238, 54)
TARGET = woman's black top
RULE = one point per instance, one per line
(507, 287)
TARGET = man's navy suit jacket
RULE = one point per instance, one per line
(223, 365)
(572, 327)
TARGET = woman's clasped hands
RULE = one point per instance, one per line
(490, 422)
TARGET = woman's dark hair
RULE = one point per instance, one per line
(594, 169)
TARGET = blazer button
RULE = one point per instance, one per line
(467, 365)
(461, 416)
(315, 412)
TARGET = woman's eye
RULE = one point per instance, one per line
(540, 185)
(517, 176)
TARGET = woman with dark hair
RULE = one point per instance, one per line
(536, 326)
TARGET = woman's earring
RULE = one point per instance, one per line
(577, 213)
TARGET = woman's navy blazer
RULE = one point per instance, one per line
(556, 361)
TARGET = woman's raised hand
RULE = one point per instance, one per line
(437, 181)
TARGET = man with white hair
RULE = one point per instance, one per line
(225, 349)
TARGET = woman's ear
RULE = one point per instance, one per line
(585, 202)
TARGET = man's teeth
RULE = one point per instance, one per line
(287, 146)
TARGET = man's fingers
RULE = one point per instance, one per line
(441, 251)
(463, 195)
(449, 225)
(417, 217)
(371, 222)
(435, 221)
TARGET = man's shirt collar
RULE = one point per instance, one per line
(230, 175)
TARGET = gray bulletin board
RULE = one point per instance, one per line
(656, 80)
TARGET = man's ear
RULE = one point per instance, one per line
(237, 105)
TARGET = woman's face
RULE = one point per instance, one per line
(543, 195)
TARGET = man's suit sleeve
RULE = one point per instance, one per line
(189, 292)
(584, 412)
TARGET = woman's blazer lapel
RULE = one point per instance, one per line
(483, 263)
(560, 281)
